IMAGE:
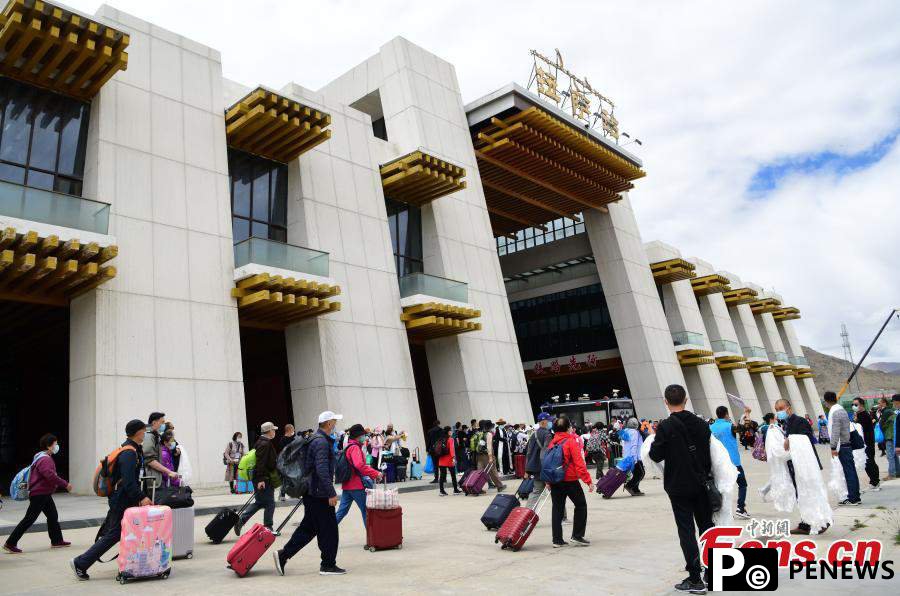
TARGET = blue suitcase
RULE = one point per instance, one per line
(416, 470)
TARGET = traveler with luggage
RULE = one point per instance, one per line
(319, 520)
(41, 483)
(725, 431)
(289, 435)
(265, 479)
(562, 467)
(231, 457)
(123, 477)
(631, 446)
(534, 455)
(864, 419)
(888, 426)
(431, 437)
(482, 446)
(682, 442)
(155, 471)
(445, 450)
(359, 475)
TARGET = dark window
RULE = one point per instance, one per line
(405, 223)
(43, 137)
(258, 197)
(379, 129)
(559, 325)
(530, 237)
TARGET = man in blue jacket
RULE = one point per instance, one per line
(724, 430)
(128, 493)
(319, 519)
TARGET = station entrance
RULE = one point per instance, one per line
(267, 383)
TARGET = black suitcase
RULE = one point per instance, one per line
(498, 511)
(217, 529)
(400, 474)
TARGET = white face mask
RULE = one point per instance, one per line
(855, 408)
(55, 448)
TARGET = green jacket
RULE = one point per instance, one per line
(887, 423)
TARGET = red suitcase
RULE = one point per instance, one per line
(519, 463)
(253, 545)
(518, 526)
(475, 482)
(384, 528)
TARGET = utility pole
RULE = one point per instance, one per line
(848, 352)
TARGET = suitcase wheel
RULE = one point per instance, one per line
(371, 549)
(165, 574)
(399, 546)
(121, 578)
(496, 540)
(190, 555)
(517, 549)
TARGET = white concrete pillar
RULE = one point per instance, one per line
(807, 387)
(767, 390)
(811, 397)
(642, 332)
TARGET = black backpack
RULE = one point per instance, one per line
(291, 465)
(440, 447)
(343, 469)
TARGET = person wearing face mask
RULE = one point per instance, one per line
(887, 422)
(169, 454)
(864, 419)
(154, 469)
(42, 483)
(265, 477)
(319, 518)
(231, 457)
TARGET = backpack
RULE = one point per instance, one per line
(441, 448)
(19, 489)
(103, 481)
(343, 468)
(553, 467)
(291, 464)
(593, 443)
(477, 444)
(246, 465)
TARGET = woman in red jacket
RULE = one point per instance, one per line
(42, 483)
(353, 490)
(573, 460)
(447, 461)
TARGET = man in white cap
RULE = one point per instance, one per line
(319, 519)
(265, 478)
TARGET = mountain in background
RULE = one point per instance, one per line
(831, 373)
(888, 367)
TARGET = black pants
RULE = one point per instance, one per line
(318, 522)
(599, 459)
(444, 477)
(559, 492)
(693, 516)
(109, 535)
(37, 505)
(871, 466)
(637, 474)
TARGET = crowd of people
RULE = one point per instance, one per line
(679, 447)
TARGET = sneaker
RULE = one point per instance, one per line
(15, 550)
(874, 489)
(443, 493)
(501, 488)
(60, 544)
(691, 586)
(803, 530)
(560, 544)
(456, 491)
(630, 491)
(742, 513)
(279, 562)
(81, 574)
(238, 527)
(333, 570)
(282, 498)
(855, 503)
(566, 521)
(580, 541)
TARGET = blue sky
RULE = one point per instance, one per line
(768, 176)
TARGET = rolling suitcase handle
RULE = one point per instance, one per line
(541, 501)
(244, 506)
(289, 515)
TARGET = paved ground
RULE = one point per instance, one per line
(446, 551)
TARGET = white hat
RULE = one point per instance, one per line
(329, 415)
(267, 426)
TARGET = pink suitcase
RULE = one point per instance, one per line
(145, 547)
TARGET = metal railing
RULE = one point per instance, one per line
(685, 338)
(725, 345)
(799, 361)
(779, 357)
(54, 208)
(754, 352)
(281, 255)
(432, 285)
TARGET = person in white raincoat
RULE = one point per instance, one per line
(805, 471)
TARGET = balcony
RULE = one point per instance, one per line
(49, 264)
(800, 361)
(725, 345)
(279, 284)
(53, 208)
(754, 352)
(779, 357)
(687, 338)
(435, 307)
(419, 178)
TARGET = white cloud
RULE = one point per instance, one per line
(714, 90)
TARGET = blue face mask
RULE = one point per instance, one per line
(782, 415)
(162, 428)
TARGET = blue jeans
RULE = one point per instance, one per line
(891, 457)
(265, 499)
(845, 455)
(742, 488)
(348, 497)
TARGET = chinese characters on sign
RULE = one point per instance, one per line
(573, 365)
(769, 528)
(578, 97)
